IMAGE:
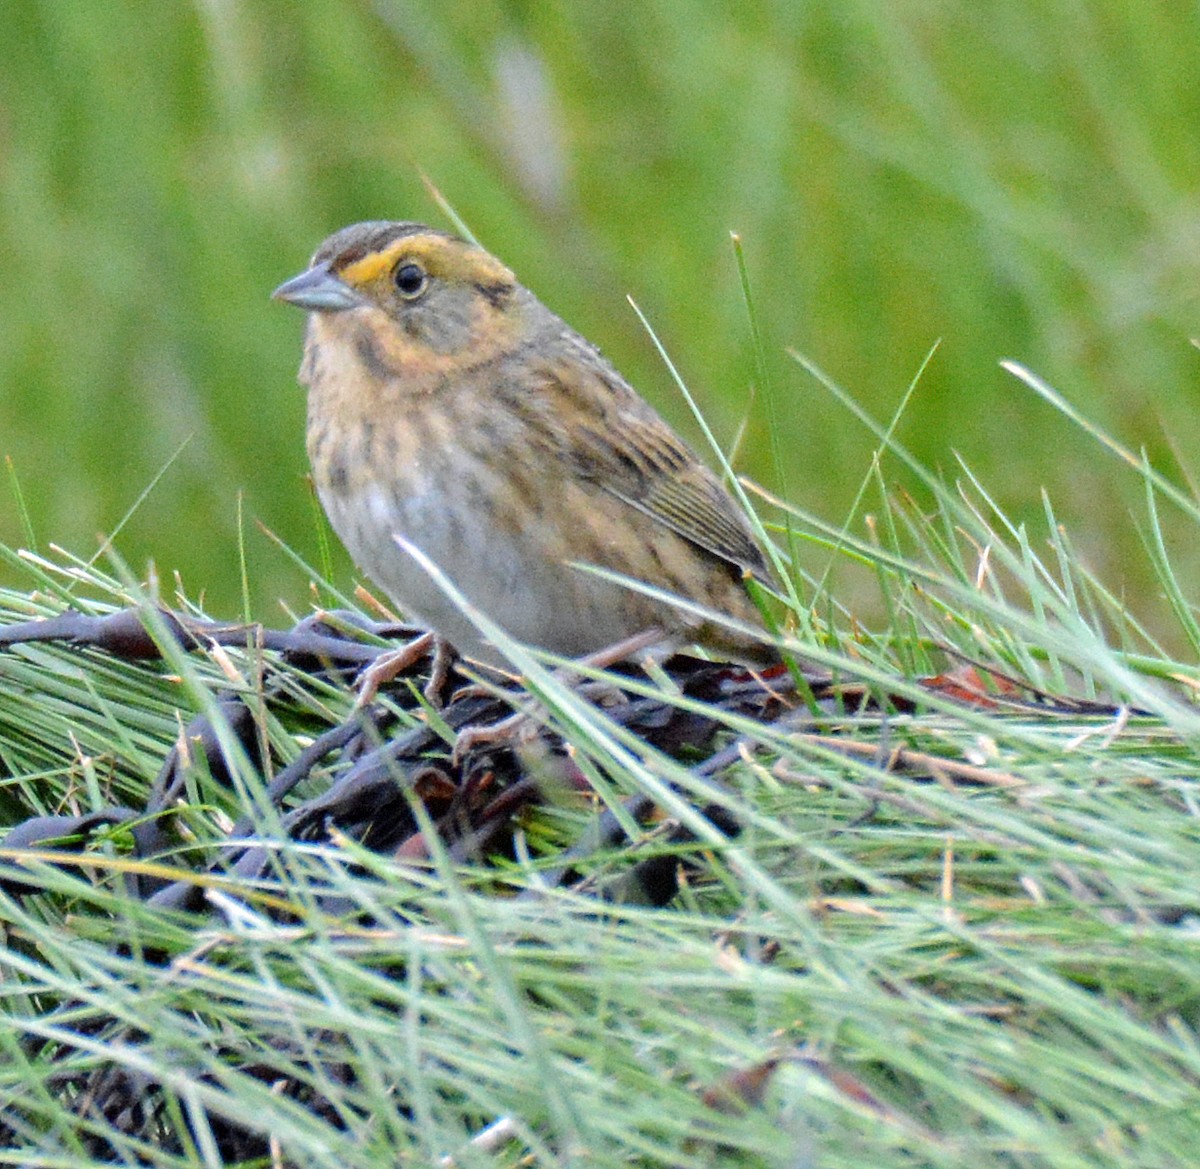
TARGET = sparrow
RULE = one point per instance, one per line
(450, 409)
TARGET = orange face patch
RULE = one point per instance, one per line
(442, 258)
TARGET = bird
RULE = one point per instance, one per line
(451, 411)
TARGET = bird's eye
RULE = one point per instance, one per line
(410, 280)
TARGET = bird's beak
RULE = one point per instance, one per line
(318, 289)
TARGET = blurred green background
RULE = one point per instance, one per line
(1018, 180)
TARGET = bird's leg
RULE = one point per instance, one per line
(439, 671)
(390, 664)
(515, 728)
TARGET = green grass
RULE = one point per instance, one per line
(1016, 180)
(958, 974)
(991, 962)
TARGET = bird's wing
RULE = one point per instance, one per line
(620, 444)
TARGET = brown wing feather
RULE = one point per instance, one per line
(625, 448)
